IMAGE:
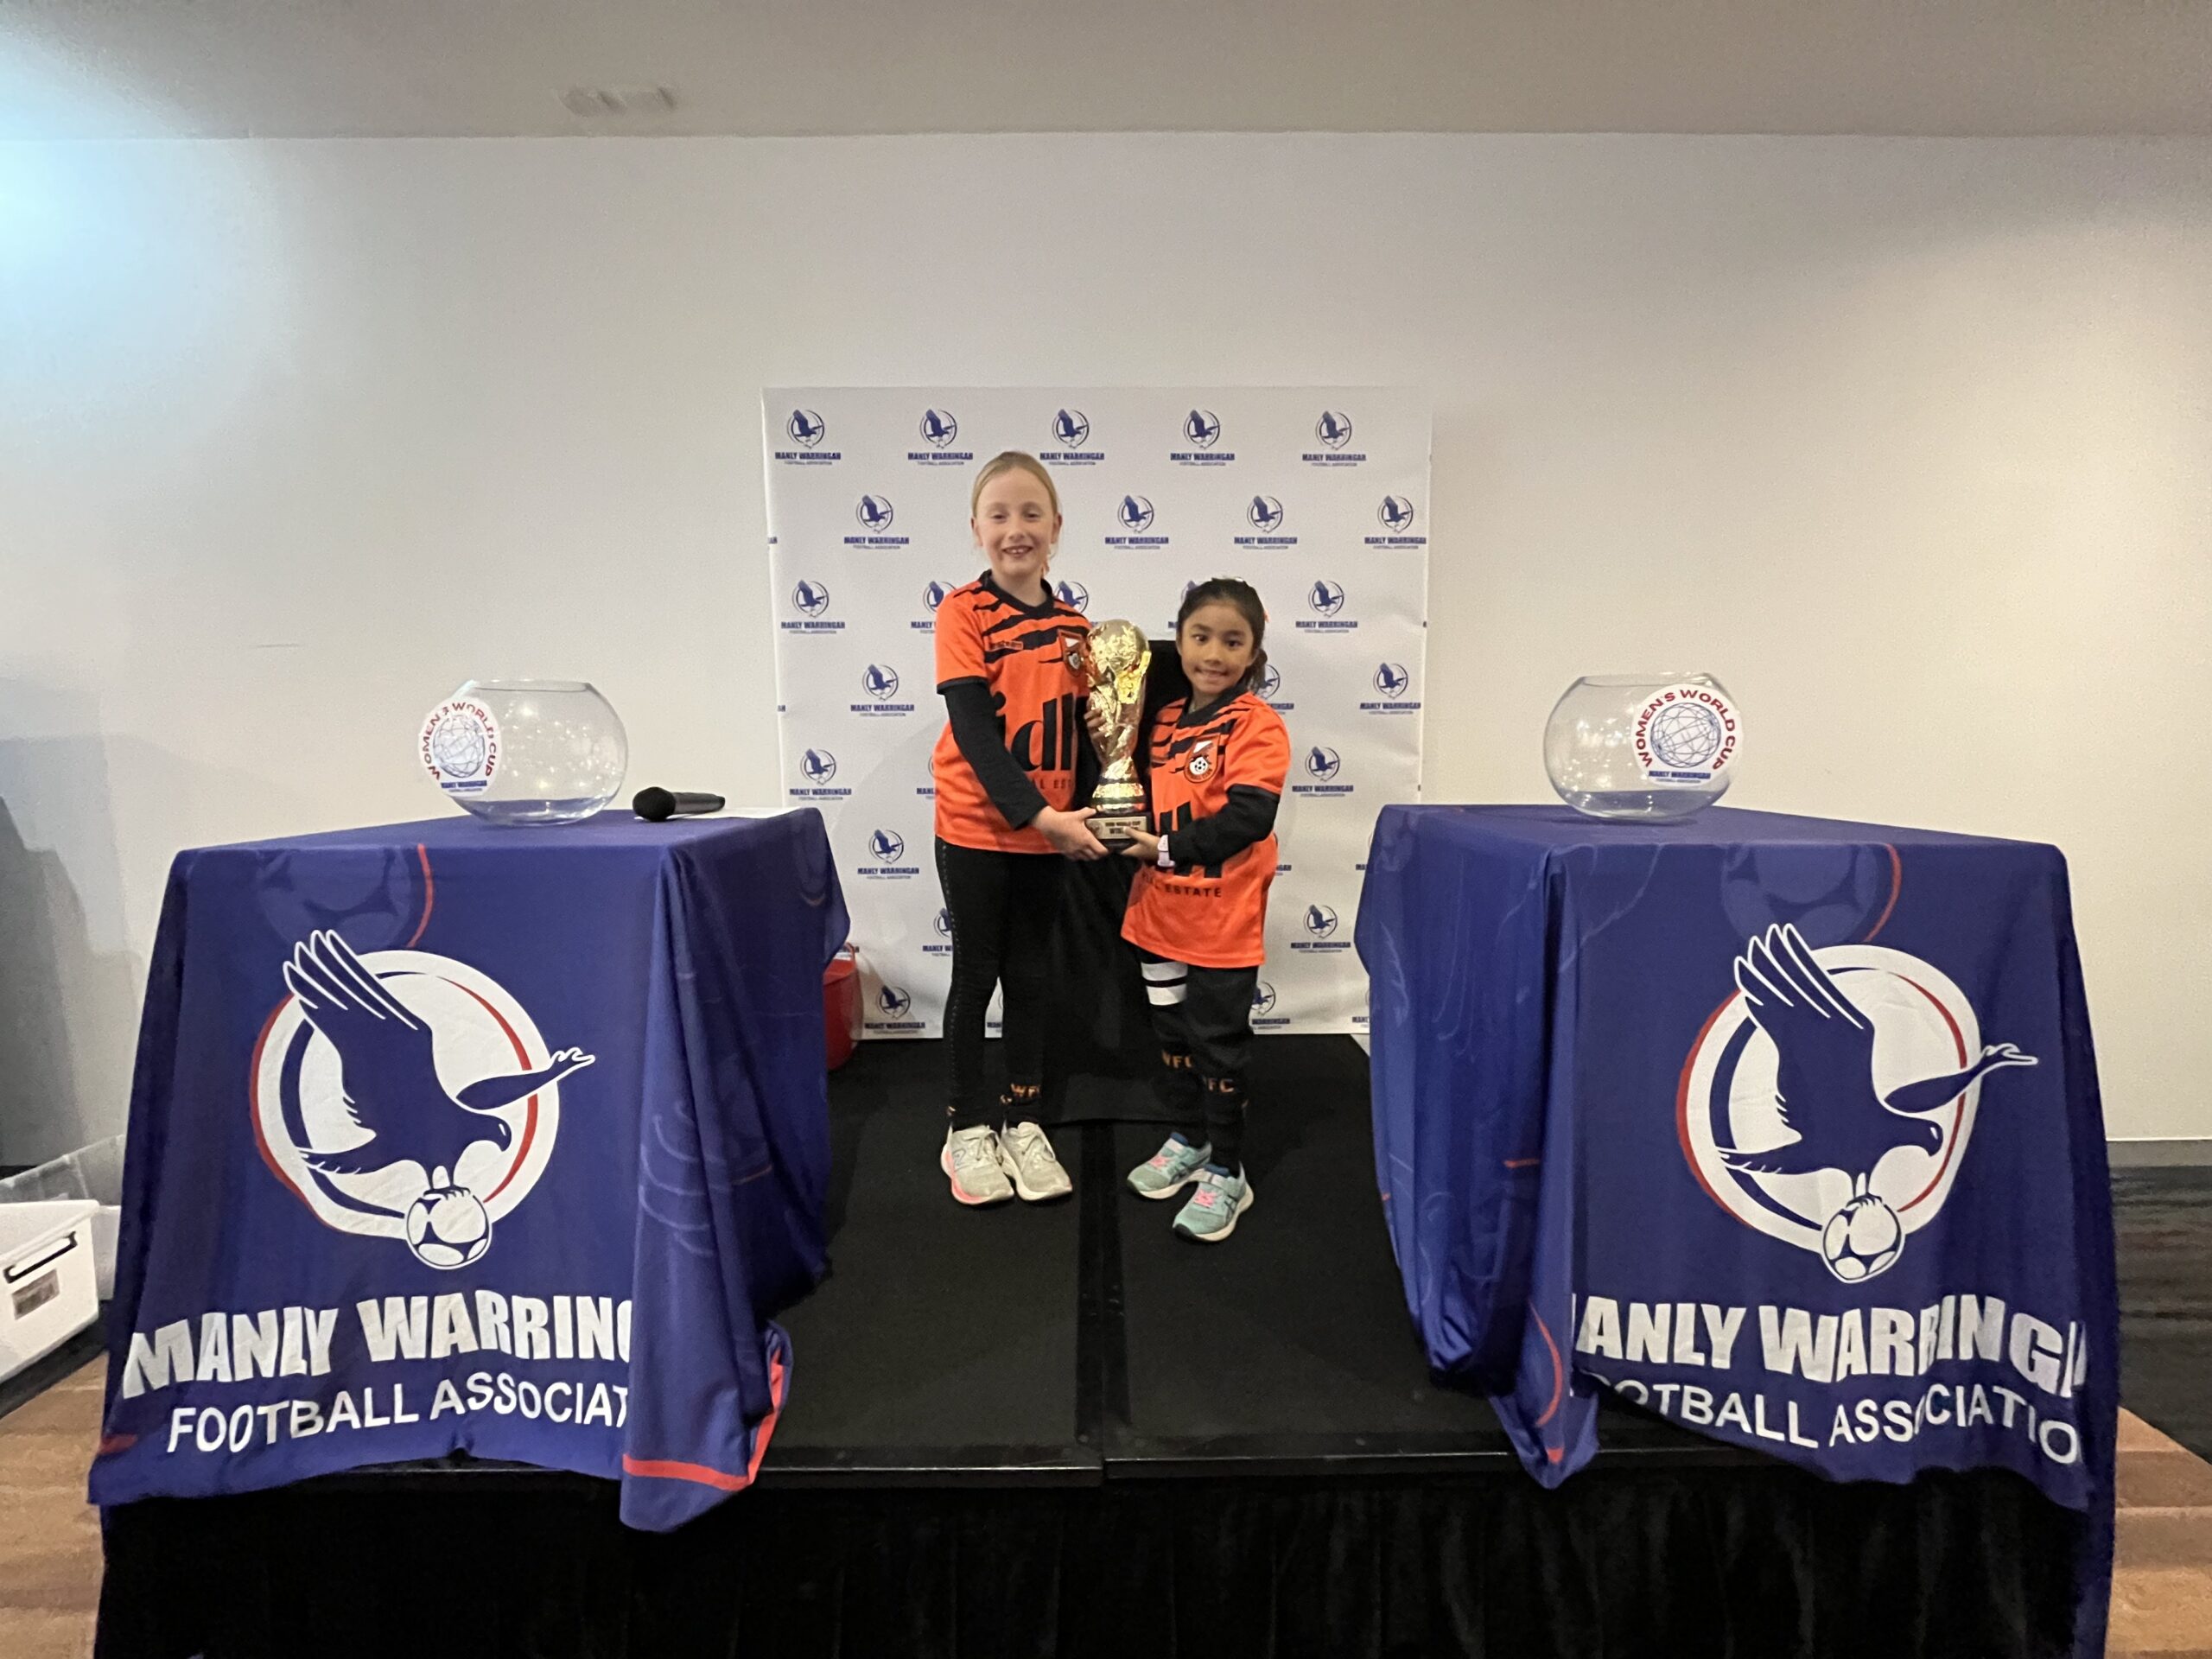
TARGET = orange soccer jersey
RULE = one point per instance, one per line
(1020, 651)
(1211, 916)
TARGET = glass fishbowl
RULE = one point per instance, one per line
(523, 752)
(1643, 746)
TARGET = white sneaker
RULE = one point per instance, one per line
(1027, 1158)
(972, 1159)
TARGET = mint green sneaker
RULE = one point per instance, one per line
(1212, 1213)
(1171, 1169)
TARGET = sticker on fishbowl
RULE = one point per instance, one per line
(1686, 733)
(460, 746)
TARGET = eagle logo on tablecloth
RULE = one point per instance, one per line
(1829, 1101)
(404, 1094)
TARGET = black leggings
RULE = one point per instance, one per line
(1001, 906)
(1204, 1019)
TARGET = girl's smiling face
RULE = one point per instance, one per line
(1015, 526)
(1217, 649)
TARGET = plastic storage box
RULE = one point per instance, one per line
(47, 1292)
(94, 1173)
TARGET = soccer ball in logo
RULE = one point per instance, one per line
(1686, 735)
(874, 511)
(458, 746)
(938, 428)
(1203, 428)
(1326, 597)
(805, 427)
(1832, 894)
(1134, 512)
(810, 598)
(1265, 512)
(447, 1227)
(1861, 1239)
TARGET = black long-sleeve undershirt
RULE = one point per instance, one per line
(1248, 817)
(978, 730)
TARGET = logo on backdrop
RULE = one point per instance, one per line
(1070, 430)
(1270, 688)
(1263, 997)
(892, 1011)
(1333, 432)
(1828, 1102)
(1325, 599)
(811, 600)
(875, 515)
(1395, 684)
(1320, 921)
(1686, 734)
(1073, 594)
(1323, 764)
(886, 848)
(459, 744)
(880, 682)
(894, 1001)
(1202, 430)
(405, 1096)
(806, 429)
(1395, 515)
(939, 429)
(819, 768)
(1319, 928)
(1135, 515)
(1265, 514)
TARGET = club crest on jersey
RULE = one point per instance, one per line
(405, 1096)
(1202, 759)
(1829, 1101)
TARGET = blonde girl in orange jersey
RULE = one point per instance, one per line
(1198, 909)
(1005, 771)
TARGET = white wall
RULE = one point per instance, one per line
(1910, 441)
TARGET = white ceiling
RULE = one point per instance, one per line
(487, 67)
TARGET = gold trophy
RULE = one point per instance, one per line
(1112, 659)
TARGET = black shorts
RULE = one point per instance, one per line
(1206, 1013)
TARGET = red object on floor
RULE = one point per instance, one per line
(840, 1005)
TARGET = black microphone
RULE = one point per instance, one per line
(656, 804)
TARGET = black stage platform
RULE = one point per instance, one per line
(1061, 1430)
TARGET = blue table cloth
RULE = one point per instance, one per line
(1787, 1129)
(446, 1137)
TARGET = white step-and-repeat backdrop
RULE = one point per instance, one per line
(1319, 499)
